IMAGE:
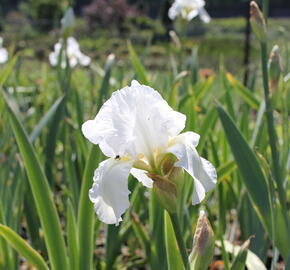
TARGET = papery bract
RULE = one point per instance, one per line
(136, 129)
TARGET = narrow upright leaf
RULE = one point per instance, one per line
(249, 167)
(42, 194)
(174, 260)
(23, 248)
(139, 68)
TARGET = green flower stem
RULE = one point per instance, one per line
(271, 129)
(266, 9)
(179, 239)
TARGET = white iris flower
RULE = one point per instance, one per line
(3, 53)
(135, 128)
(73, 53)
(188, 9)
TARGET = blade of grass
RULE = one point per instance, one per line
(252, 262)
(86, 213)
(139, 68)
(174, 260)
(72, 237)
(42, 194)
(4, 75)
(249, 167)
(31, 255)
(45, 119)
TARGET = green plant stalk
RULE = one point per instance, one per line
(266, 9)
(179, 239)
(86, 214)
(271, 129)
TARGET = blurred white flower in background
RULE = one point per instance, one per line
(188, 9)
(71, 51)
(3, 53)
(137, 130)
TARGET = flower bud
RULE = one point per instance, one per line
(203, 244)
(175, 39)
(257, 21)
(274, 66)
(67, 22)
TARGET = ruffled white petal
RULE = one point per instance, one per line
(201, 170)
(135, 120)
(142, 177)
(109, 193)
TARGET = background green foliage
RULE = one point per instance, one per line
(47, 165)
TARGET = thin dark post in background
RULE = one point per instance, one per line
(247, 46)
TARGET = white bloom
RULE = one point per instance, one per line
(3, 53)
(72, 51)
(133, 128)
(188, 9)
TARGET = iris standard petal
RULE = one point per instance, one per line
(135, 120)
(109, 193)
(201, 170)
(142, 177)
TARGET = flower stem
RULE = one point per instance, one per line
(179, 239)
(271, 129)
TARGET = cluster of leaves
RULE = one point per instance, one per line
(45, 211)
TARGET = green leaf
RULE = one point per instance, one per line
(25, 250)
(240, 260)
(86, 213)
(245, 93)
(72, 237)
(4, 75)
(105, 82)
(141, 234)
(41, 193)
(249, 167)
(253, 262)
(139, 68)
(226, 169)
(52, 137)
(207, 126)
(44, 120)
(156, 219)
(174, 260)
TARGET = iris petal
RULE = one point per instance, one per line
(135, 120)
(200, 169)
(142, 177)
(109, 193)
